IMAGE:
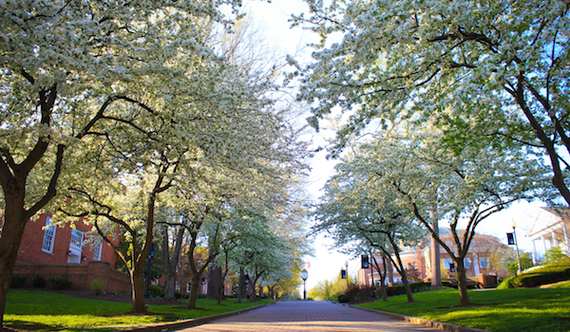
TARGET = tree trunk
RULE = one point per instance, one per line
(402, 272)
(253, 296)
(462, 283)
(194, 287)
(241, 286)
(382, 277)
(170, 264)
(214, 281)
(138, 290)
(12, 232)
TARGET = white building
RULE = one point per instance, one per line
(550, 229)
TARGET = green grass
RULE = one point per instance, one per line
(562, 284)
(520, 310)
(67, 313)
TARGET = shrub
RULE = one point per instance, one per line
(546, 274)
(18, 281)
(178, 295)
(59, 283)
(505, 284)
(155, 291)
(399, 289)
(98, 286)
(39, 281)
(343, 298)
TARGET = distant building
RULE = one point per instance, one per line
(417, 262)
(550, 229)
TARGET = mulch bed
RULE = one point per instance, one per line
(125, 298)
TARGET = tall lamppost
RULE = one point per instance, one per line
(517, 246)
(304, 276)
(347, 282)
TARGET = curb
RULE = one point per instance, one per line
(422, 321)
(190, 322)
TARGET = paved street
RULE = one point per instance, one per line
(308, 316)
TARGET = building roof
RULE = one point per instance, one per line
(548, 218)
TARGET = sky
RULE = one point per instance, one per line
(326, 261)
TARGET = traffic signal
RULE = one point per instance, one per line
(343, 274)
(451, 267)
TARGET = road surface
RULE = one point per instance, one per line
(308, 316)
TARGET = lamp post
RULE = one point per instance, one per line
(304, 276)
(517, 247)
(347, 282)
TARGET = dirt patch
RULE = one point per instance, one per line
(469, 305)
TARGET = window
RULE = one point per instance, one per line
(484, 262)
(467, 263)
(446, 262)
(76, 238)
(49, 237)
(187, 287)
(97, 251)
(75, 247)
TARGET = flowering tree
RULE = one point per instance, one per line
(67, 66)
(484, 71)
(463, 189)
(361, 212)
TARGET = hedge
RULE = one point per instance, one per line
(547, 274)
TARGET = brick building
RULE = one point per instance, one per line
(416, 259)
(49, 251)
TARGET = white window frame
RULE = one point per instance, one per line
(98, 251)
(467, 263)
(49, 237)
(484, 265)
(76, 244)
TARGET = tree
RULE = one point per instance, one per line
(462, 189)
(68, 65)
(526, 262)
(324, 290)
(358, 209)
(485, 72)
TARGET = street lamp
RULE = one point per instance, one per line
(347, 282)
(514, 225)
(304, 276)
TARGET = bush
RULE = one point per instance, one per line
(542, 275)
(399, 289)
(155, 291)
(343, 298)
(506, 284)
(59, 283)
(39, 281)
(178, 295)
(98, 286)
(18, 281)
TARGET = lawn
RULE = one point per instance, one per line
(520, 310)
(52, 311)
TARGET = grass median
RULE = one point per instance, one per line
(508, 310)
(48, 311)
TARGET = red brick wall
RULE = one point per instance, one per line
(30, 251)
(80, 275)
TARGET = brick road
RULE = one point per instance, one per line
(308, 316)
